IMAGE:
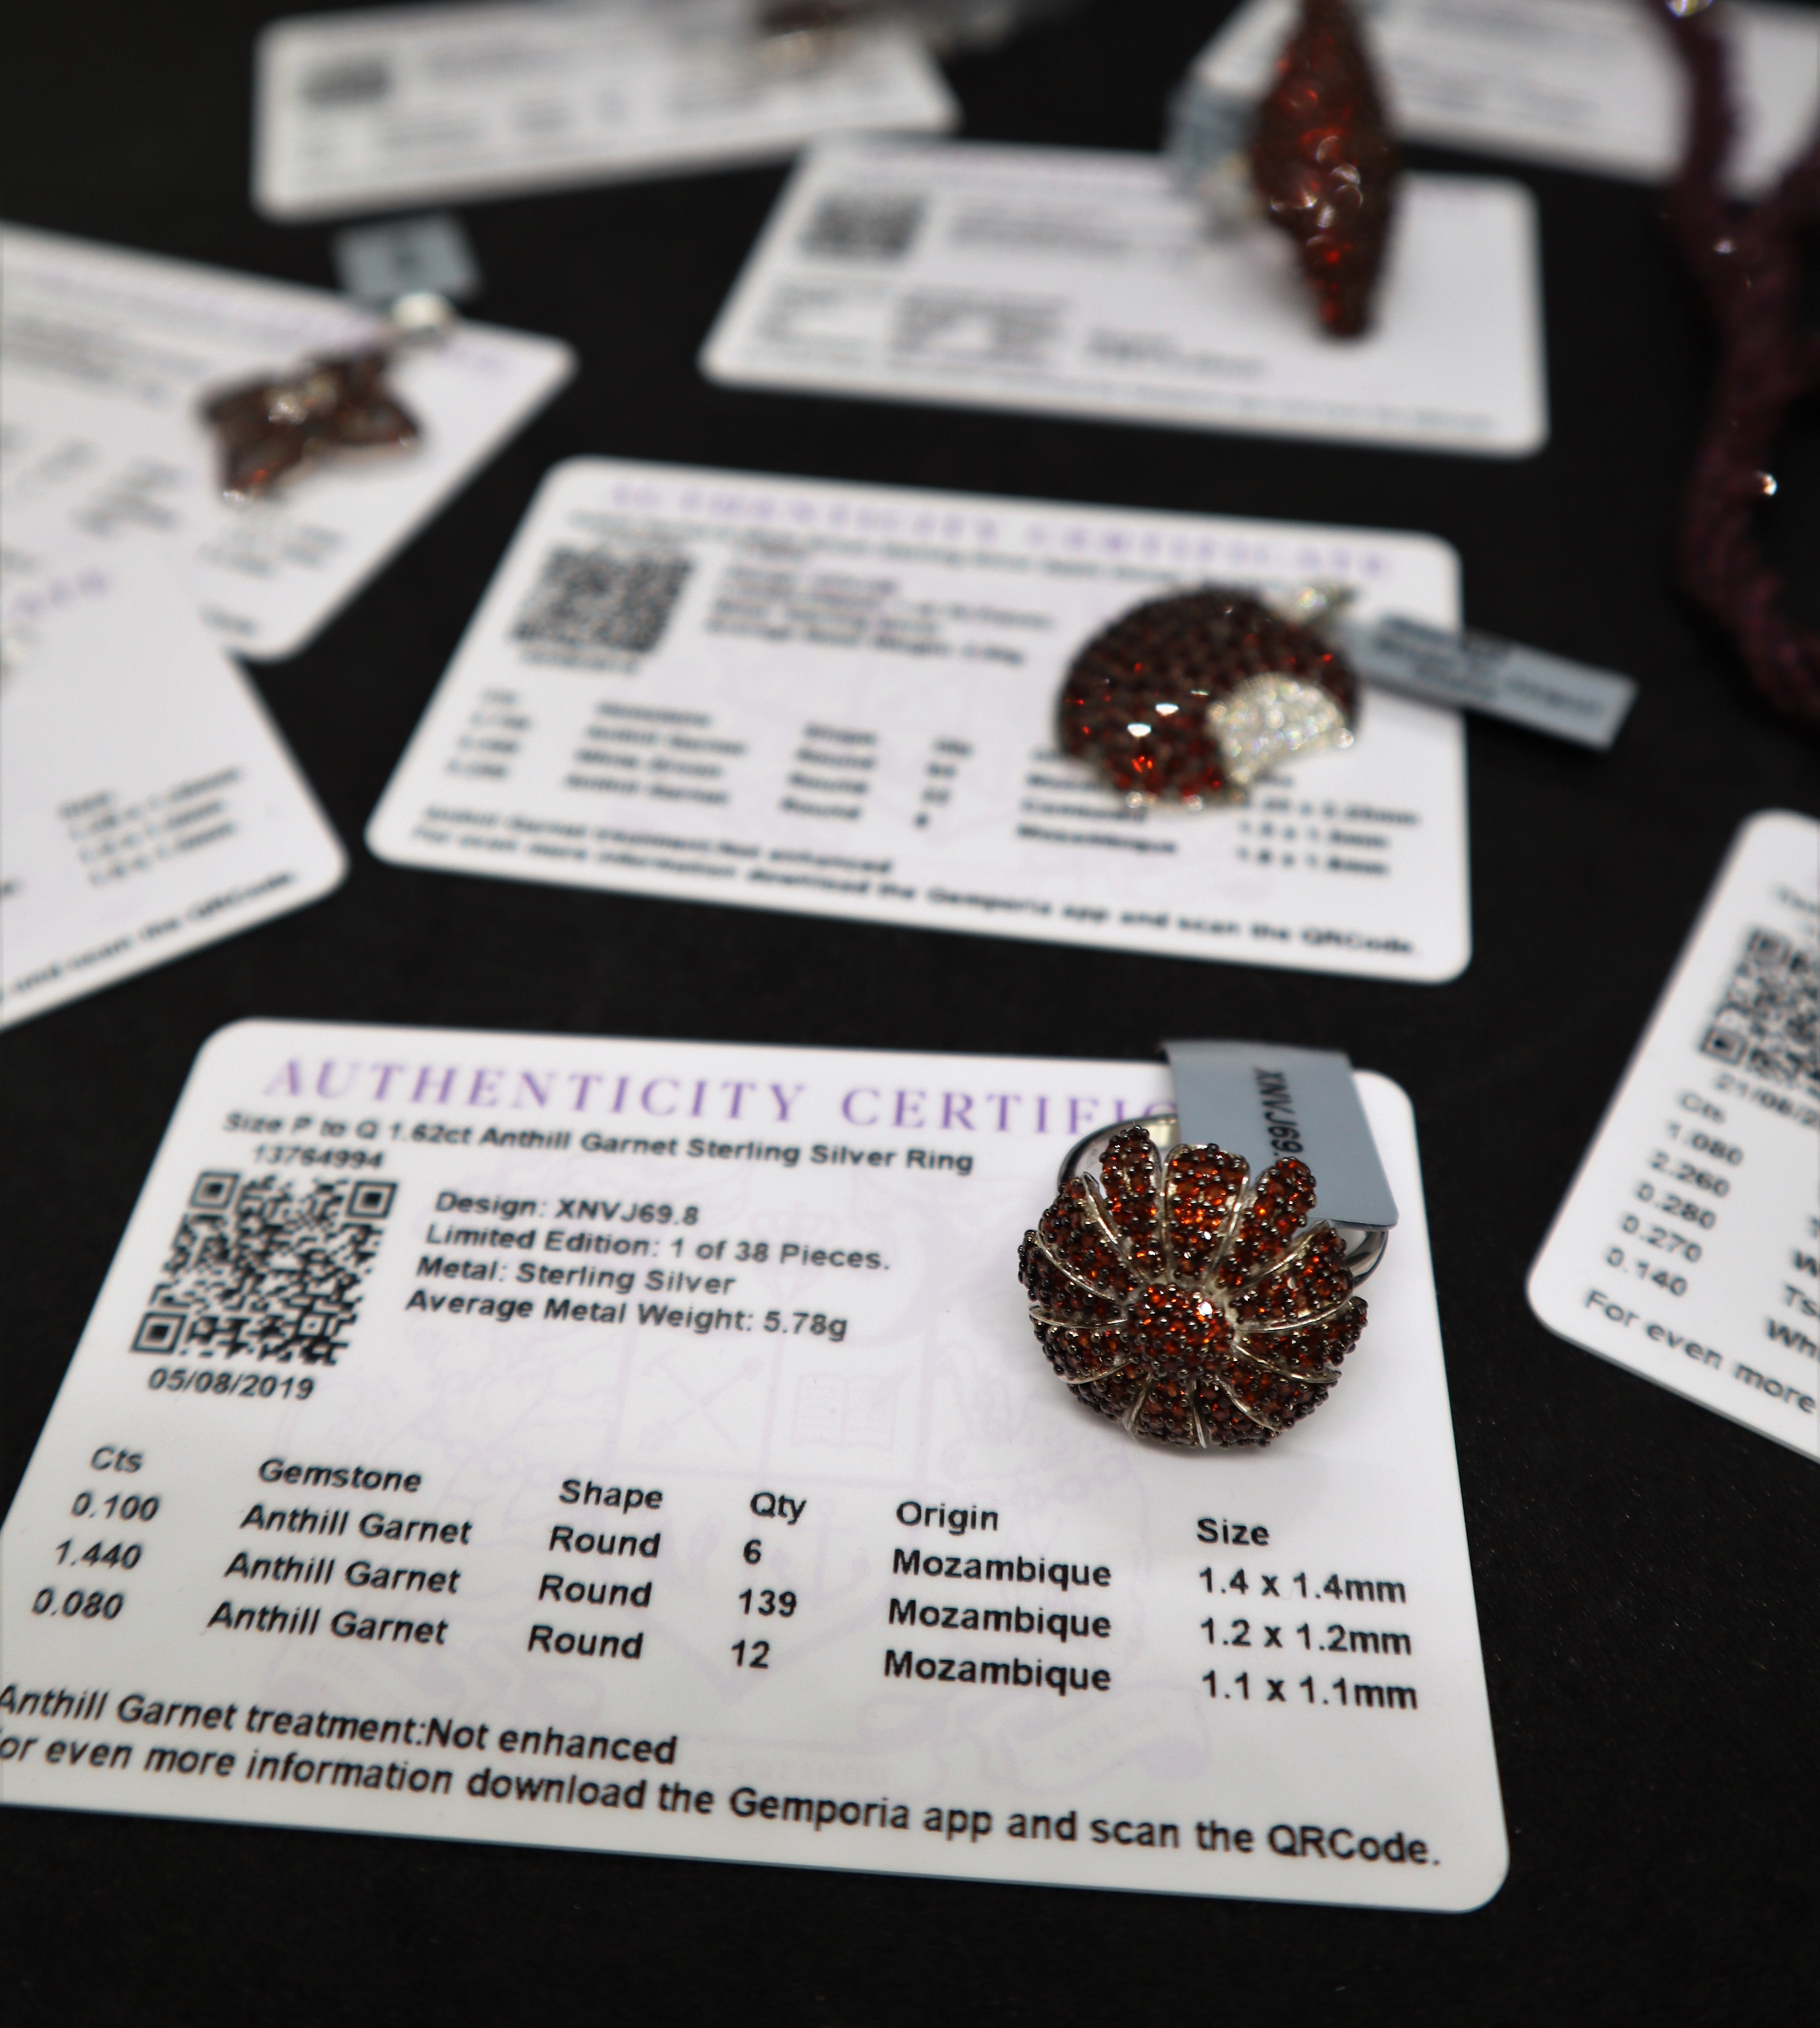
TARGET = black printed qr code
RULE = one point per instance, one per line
(864, 229)
(590, 603)
(266, 1268)
(1768, 1022)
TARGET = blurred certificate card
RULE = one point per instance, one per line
(1588, 84)
(1082, 283)
(413, 105)
(643, 1447)
(1688, 1248)
(108, 354)
(147, 805)
(841, 701)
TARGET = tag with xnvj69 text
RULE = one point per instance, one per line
(644, 1446)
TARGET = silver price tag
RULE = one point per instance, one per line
(1265, 1102)
(1546, 693)
(429, 254)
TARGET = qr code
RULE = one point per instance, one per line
(589, 605)
(258, 1272)
(864, 229)
(1768, 1023)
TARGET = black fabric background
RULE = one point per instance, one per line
(1647, 1573)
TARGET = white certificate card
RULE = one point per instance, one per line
(147, 804)
(643, 1446)
(1587, 84)
(107, 355)
(840, 700)
(410, 105)
(1076, 283)
(1688, 1248)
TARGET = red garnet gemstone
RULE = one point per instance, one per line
(1324, 163)
(1187, 1302)
(1172, 699)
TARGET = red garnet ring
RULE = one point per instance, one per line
(1187, 1302)
(1189, 698)
(1323, 162)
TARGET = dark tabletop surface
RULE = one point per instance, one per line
(1647, 1573)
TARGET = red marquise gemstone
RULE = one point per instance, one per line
(1324, 163)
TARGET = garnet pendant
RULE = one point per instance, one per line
(1324, 163)
(272, 425)
(1187, 1302)
(1190, 697)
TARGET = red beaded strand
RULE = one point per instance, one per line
(1747, 261)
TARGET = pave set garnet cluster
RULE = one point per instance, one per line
(1186, 1301)
(1190, 697)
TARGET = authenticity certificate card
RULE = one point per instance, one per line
(840, 700)
(1688, 1248)
(147, 804)
(1082, 283)
(413, 106)
(1587, 84)
(106, 355)
(643, 1446)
